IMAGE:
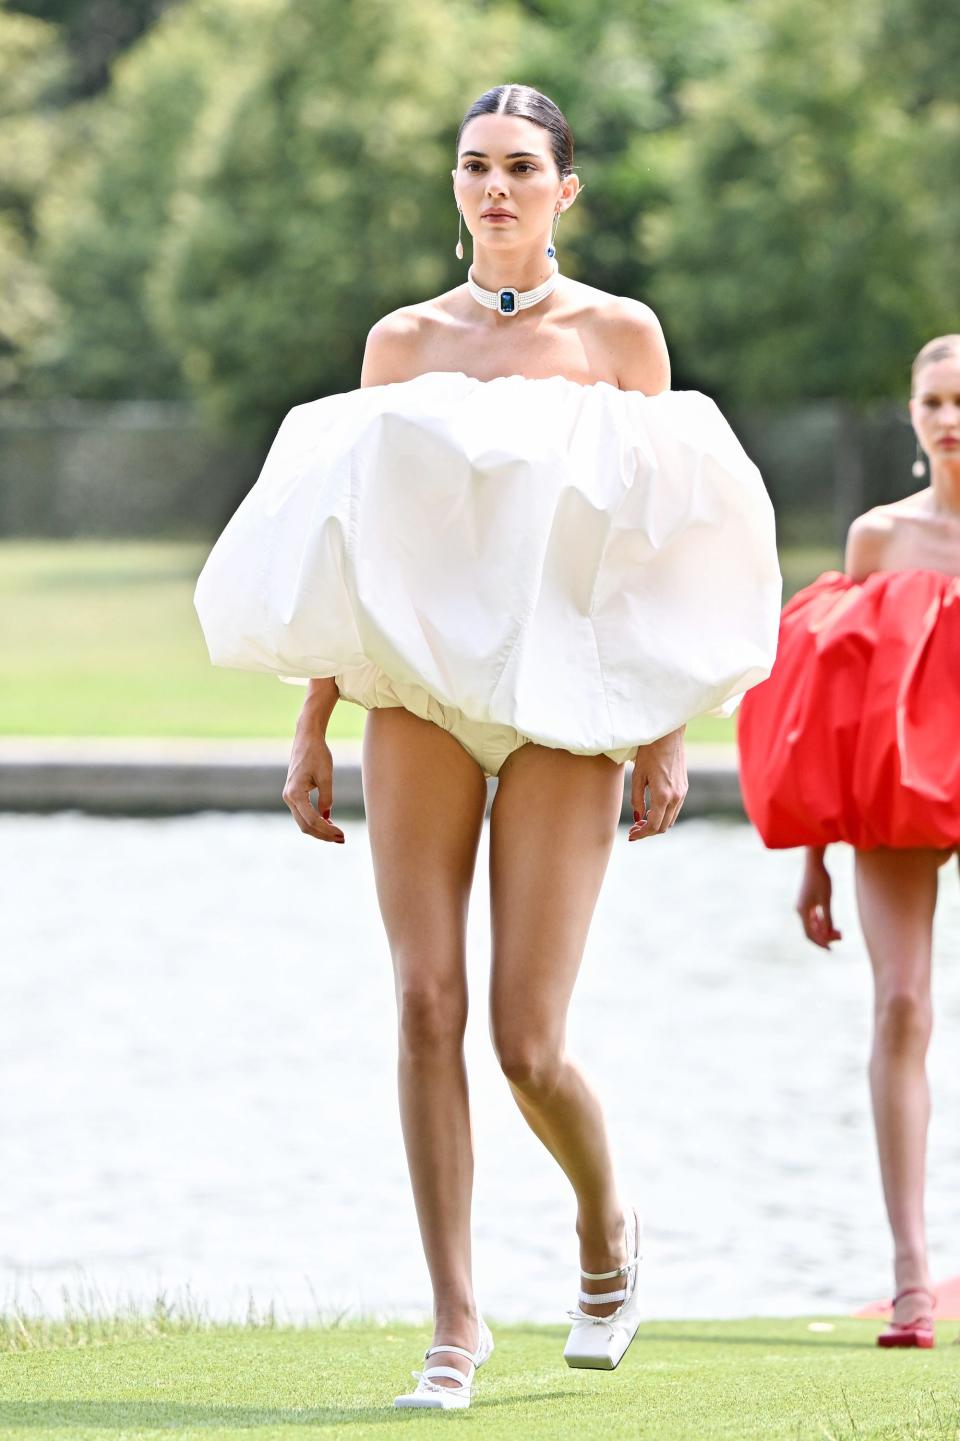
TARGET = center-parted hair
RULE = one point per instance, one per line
(530, 104)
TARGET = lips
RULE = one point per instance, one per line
(496, 215)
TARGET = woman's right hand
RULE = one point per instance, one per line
(311, 768)
(813, 902)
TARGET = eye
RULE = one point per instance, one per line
(472, 165)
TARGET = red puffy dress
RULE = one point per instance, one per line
(856, 734)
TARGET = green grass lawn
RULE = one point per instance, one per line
(681, 1381)
(100, 638)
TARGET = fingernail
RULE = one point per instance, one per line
(636, 815)
(326, 814)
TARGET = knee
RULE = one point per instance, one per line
(530, 1063)
(904, 1022)
(430, 1018)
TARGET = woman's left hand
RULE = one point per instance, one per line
(661, 766)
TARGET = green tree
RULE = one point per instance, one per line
(32, 66)
(105, 214)
(800, 252)
(95, 32)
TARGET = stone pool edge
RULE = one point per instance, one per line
(149, 777)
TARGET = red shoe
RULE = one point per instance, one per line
(918, 1332)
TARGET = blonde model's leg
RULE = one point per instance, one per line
(897, 896)
(425, 800)
(552, 828)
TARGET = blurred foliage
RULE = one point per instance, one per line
(103, 218)
(804, 199)
(32, 67)
(262, 179)
(95, 33)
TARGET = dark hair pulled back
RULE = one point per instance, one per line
(528, 103)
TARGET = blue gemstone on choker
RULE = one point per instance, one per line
(507, 300)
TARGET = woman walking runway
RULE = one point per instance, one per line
(528, 559)
(854, 738)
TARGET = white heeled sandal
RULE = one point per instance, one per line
(430, 1395)
(598, 1343)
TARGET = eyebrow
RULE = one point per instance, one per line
(514, 154)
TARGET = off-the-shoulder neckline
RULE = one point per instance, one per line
(530, 380)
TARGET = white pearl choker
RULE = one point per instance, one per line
(507, 300)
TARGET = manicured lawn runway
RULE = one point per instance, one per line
(681, 1381)
(100, 638)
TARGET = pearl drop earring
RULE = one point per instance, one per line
(918, 468)
(459, 250)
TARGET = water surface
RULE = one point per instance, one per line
(197, 1058)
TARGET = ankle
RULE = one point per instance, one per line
(456, 1322)
(910, 1268)
(602, 1240)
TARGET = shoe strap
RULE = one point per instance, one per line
(914, 1291)
(457, 1350)
(611, 1275)
(601, 1299)
(448, 1371)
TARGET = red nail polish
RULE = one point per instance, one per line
(326, 814)
(636, 815)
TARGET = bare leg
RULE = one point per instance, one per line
(425, 800)
(897, 896)
(553, 824)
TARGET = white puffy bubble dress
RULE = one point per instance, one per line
(575, 565)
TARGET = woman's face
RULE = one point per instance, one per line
(935, 408)
(507, 183)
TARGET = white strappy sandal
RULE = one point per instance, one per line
(431, 1395)
(598, 1342)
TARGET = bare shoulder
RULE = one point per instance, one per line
(868, 541)
(633, 338)
(395, 344)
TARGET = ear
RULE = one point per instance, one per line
(569, 191)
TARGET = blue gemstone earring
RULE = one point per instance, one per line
(552, 247)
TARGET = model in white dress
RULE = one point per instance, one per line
(528, 558)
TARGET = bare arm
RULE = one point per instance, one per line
(387, 358)
(311, 764)
(814, 900)
(639, 353)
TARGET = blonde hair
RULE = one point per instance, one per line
(943, 347)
